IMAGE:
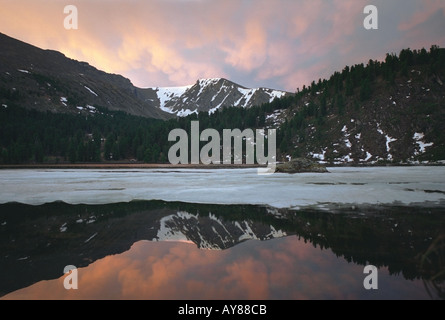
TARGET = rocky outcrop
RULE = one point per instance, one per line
(300, 165)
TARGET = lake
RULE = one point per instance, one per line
(223, 233)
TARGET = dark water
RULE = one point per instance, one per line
(165, 250)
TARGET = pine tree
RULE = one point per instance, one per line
(365, 90)
(349, 87)
(340, 104)
(109, 146)
(72, 151)
(38, 152)
(4, 157)
(323, 106)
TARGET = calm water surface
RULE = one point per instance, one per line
(284, 268)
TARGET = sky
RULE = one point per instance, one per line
(279, 44)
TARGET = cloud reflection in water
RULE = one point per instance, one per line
(285, 268)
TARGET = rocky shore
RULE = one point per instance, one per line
(300, 165)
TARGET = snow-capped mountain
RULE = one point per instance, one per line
(209, 95)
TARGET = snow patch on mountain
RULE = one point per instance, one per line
(422, 145)
(186, 112)
(91, 91)
(204, 83)
(276, 94)
(388, 141)
(166, 94)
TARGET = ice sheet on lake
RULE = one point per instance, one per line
(381, 185)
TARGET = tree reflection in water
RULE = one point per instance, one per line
(38, 241)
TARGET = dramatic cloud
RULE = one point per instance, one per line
(281, 44)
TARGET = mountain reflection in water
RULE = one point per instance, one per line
(160, 250)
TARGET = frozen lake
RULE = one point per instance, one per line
(222, 233)
(379, 185)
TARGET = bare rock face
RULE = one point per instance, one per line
(300, 165)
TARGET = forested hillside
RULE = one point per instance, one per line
(387, 111)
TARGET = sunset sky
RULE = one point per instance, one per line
(280, 44)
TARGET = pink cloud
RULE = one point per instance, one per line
(428, 7)
(165, 43)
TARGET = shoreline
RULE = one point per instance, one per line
(127, 165)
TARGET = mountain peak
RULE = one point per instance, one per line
(208, 81)
(211, 94)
